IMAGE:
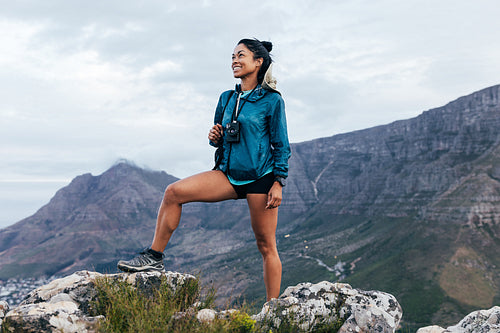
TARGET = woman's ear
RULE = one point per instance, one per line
(260, 62)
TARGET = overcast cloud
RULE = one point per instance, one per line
(83, 84)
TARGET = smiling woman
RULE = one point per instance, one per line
(251, 137)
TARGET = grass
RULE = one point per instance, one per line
(464, 278)
(127, 309)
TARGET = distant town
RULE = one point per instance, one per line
(15, 290)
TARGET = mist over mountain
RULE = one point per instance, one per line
(411, 208)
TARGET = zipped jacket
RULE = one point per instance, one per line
(263, 135)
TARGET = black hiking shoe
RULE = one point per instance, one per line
(146, 261)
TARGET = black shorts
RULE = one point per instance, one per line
(261, 185)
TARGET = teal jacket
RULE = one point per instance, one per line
(263, 135)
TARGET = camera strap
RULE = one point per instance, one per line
(237, 109)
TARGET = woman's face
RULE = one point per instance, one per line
(243, 62)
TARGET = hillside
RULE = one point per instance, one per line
(411, 208)
(86, 224)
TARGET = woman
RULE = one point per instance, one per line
(250, 133)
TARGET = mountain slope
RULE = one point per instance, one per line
(85, 223)
(411, 208)
(426, 193)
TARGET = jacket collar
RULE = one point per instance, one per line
(257, 94)
(268, 84)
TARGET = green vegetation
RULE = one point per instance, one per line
(466, 265)
(127, 309)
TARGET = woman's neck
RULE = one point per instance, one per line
(248, 83)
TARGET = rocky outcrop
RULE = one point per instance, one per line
(482, 321)
(64, 305)
(313, 305)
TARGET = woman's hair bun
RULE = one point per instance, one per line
(267, 45)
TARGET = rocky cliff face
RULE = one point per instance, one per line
(411, 208)
(398, 167)
(415, 205)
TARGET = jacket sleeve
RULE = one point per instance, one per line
(279, 138)
(218, 115)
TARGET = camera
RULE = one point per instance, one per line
(233, 132)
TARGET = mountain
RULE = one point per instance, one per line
(85, 224)
(411, 208)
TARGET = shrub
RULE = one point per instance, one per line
(162, 309)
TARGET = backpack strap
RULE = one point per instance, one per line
(219, 153)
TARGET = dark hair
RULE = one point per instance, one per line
(259, 50)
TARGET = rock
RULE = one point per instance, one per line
(4, 308)
(62, 316)
(431, 329)
(63, 305)
(481, 321)
(77, 287)
(206, 315)
(312, 305)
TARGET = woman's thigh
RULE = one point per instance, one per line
(209, 186)
(264, 221)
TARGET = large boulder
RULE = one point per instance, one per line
(63, 305)
(481, 321)
(315, 305)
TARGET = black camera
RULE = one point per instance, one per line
(233, 132)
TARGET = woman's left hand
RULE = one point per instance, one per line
(274, 196)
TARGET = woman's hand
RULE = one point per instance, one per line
(274, 196)
(215, 134)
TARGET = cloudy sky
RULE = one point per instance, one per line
(86, 83)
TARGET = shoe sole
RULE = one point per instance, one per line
(132, 269)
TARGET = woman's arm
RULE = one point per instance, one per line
(217, 130)
(279, 138)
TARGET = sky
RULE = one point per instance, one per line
(86, 84)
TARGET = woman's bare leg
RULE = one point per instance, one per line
(264, 223)
(210, 186)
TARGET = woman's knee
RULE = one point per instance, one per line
(171, 195)
(266, 246)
